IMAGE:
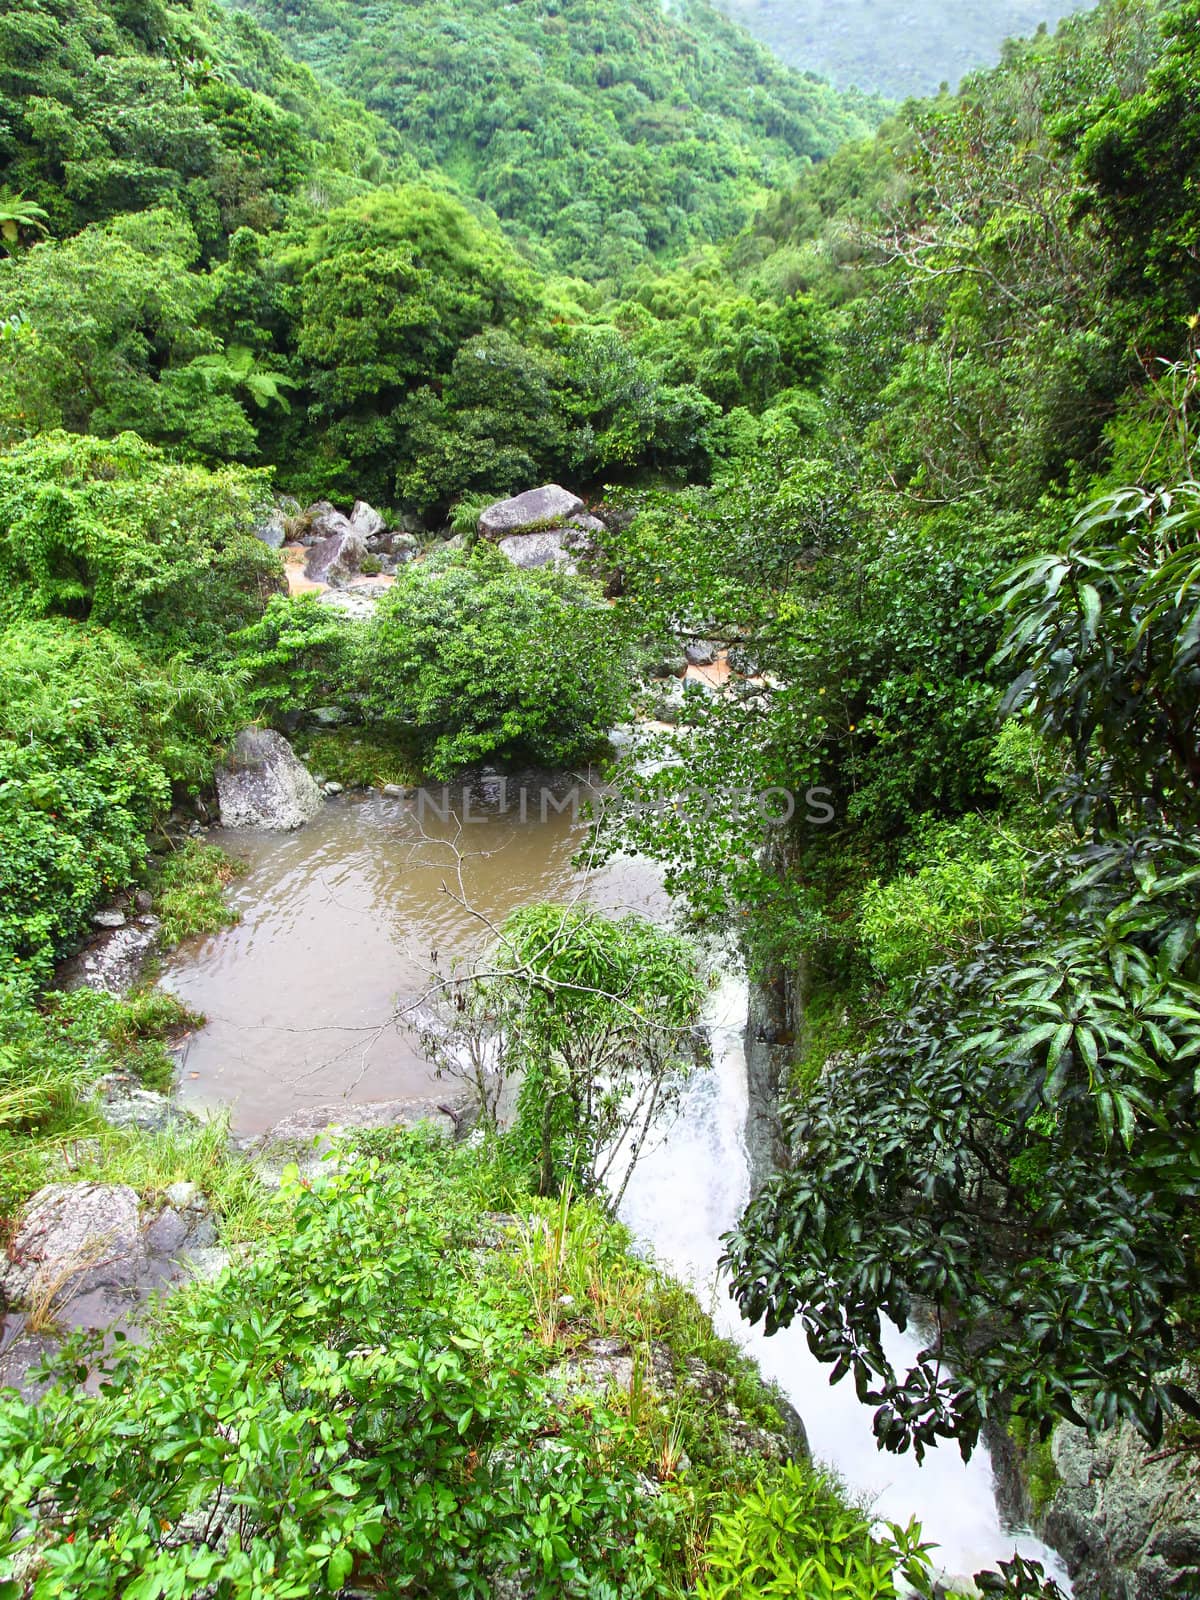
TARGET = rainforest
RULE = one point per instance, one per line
(412, 408)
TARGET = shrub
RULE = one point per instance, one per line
(92, 739)
(113, 531)
(352, 1401)
(793, 1534)
(481, 660)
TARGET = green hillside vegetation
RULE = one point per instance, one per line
(601, 134)
(974, 580)
(892, 47)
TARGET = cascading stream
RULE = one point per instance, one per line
(690, 1189)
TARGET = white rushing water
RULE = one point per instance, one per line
(690, 1189)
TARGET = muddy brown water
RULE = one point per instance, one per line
(341, 923)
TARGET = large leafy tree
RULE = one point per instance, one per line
(388, 289)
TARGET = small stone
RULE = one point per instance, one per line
(701, 652)
(334, 788)
(143, 901)
(185, 1196)
(394, 791)
(108, 919)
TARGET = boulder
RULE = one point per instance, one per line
(108, 919)
(586, 523)
(701, 652)
(263, 784)
(272, 530)
(531, 512)
(84, 1234)
(528, 550)
(112, 963)
(336, 559)
(358, 603)
(329, 716)
(366, 521)
(321, 521)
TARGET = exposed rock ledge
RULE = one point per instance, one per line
(1126, 1516)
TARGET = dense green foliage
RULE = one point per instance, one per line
(1004, 1128)
(607, 133)
(350, 1406)
(481, 661)
(598, 1019)
(916, 445)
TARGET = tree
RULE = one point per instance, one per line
(596, 1017)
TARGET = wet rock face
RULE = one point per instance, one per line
(112, 961)
(535, 511)
(264, 784)
(1126, 1517)
(87, 1233)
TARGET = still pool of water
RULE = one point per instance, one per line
(339, 926)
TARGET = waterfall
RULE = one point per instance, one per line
(692, 1186)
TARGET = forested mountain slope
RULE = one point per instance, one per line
(894, 48)
(610, 131)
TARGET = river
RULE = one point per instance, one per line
(341, 925)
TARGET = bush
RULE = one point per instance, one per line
(112, 531)
(296, 654)
(972, 886)
(793, 1534)
(92, 739)
(481, 661)
(352, 1401)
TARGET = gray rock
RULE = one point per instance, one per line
(366, 521)
(321, 521)
(112, 962)
(337, 559)
(143, 901)
(531, 512)
(262, 784)
(329, 716)
(528, 550)
(394, 791)
(1125, 1518)
(272, 530)
(185, 1196)
(587, 523)
(167, 1233)
(108, 919)
(123, 1103)
(76, 1236)
(701, 652)
(334, 788)
(357, 604)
